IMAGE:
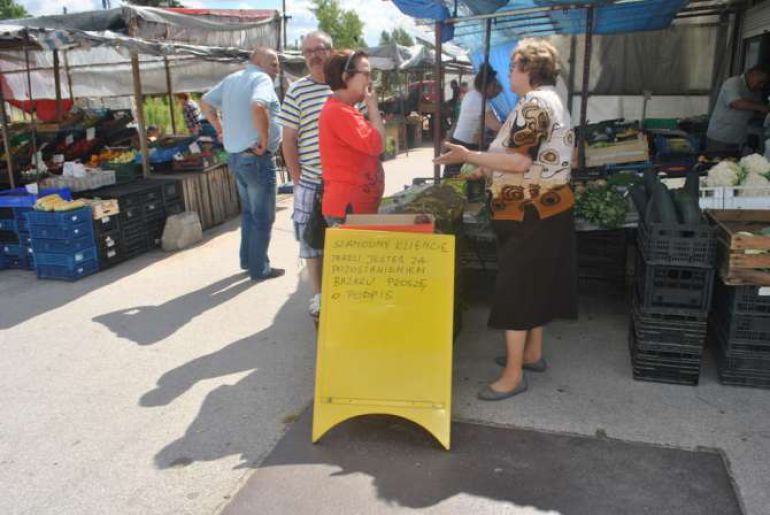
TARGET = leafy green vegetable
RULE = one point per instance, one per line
(601, 206)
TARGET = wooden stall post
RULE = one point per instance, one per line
(140, 114)
(6, 140)
(170, 92)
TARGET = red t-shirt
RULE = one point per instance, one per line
(350, 147)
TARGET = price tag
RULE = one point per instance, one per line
(764, 291)
(58, 158)
(90, 133)
(69, 140)
(194, 148)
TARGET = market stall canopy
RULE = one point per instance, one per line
(97, 61)
(245, 29)
(394, 56)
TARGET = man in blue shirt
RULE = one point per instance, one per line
(251, 135)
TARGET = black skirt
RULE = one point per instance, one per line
(537, 271)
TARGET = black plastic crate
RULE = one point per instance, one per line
(744, 328)
(646, 368)
(667, 286)
(742, 299)
(730, 379)
(677, 244)
(154, 211)
(9, 237)
(106, 224)
(668, 328)
(132, 214)
(109, 257)
(108, 240)
(174, 208)
(719, 332)
(171, 189)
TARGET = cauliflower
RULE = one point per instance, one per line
(755, 164)
(756, 186)
(724, 173)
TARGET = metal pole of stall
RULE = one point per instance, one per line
(484, 79)
(170, 93)
(57, 85)
(6, 140)
(69, 75)
(571, 80)
(584, 89)
(140, 114)
(403, 112)
(439, 99)
(32, 113)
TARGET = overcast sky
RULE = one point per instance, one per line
(377, 15)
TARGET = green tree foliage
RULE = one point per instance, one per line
(345, 27)
(390, 82)
(10, 9)
(397, 35)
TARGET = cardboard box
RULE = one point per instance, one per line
(629, 151)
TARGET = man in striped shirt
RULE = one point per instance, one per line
(299, 118)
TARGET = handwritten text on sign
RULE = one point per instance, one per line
(376, 270)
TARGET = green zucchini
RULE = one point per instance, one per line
(639, 197)
(689, 209)
(664, 204)
(650, 177)
(692, 184)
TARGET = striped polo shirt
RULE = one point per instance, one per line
(301, 107)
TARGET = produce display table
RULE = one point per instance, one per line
(212, 193)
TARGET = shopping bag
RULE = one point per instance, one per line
(315, 229)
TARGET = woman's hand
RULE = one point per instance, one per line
(370, 99)
(456, 154)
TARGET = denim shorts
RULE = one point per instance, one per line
(304, 196)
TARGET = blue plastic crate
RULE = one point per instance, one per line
(64, 273)
(71, 260)
(65, 246)
(61, 232)
(8, 224)
(15, 263)
(12, 249)
(20, 197)
(76, 216)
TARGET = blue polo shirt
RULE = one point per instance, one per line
(234, 96)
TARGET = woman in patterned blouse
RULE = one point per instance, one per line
(529, 164)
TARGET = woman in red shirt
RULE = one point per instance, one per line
(350, 145)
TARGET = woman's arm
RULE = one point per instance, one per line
(512, 162)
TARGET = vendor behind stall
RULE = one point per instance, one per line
(740, 99)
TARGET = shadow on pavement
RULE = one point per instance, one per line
(146, 325)
(25, 297)
(371, 463)
(233, 419)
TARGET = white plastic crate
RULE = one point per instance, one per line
(734, 197)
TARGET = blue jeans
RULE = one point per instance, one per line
(255, 176)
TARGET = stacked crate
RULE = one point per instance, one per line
(143, 209)
(673, 287)
(15, 241)
(63, 244)
(601, 260)
(739, 328)
(15, 248)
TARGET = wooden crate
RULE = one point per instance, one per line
(212, 193)
(103, 207)
(736, 266)
(630, 151)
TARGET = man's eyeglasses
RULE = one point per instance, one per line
(316, 50)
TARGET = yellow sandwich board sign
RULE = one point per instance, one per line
(385, 334)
